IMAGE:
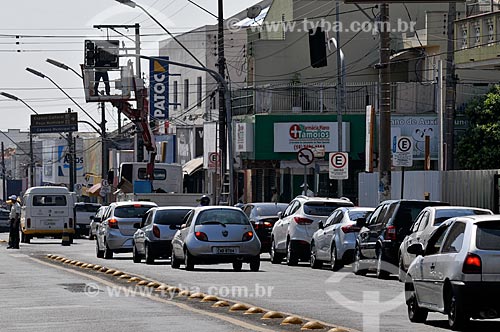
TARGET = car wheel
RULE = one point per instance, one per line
(275, 257)
(335, 263)
(254, 264)
(23, 238)
(381, 273)
(28, 239)
(291, 257)
(402, 271)
(315, 263)
(415, 313)
(237, 265)
(457, 316)
(135, 255)
(357, 268)
(150, 259)
(108, 253)
(99, 253)
(174, 262)
(188, 261)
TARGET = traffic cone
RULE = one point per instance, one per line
(66, 239)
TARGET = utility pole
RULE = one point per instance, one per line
(340, 93)
(71, 157)
(32, 161)
(222, 111)
(385, 105)
(104, 145)
(451, 89)
(4, 183)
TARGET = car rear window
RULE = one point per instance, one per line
(323, 209)
(271, 209)
(408, 211)
(355, 215)
(170, 217)
(443, 215)
(131, 211)
(488, 235)
(222, 216)
(87, 208)
(49, 200)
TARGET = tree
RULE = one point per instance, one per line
(480, 146)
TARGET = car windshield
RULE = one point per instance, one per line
(488, 235)
(222, 216)
(443, 215)
(170, 217)
(323, 209)
(355, 215)
(270, 210)
(131, 211)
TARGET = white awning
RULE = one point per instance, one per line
(192, 166)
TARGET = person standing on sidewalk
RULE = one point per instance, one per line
(15, 215)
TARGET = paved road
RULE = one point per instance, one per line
(337, 298)
(36, 297)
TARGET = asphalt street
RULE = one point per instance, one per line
(340, 298)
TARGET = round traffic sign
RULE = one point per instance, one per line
(338, 160)
(404, 144)
(305, 156)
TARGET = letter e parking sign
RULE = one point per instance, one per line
(338, 166)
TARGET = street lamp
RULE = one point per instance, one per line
(63, 66)
(32, 159)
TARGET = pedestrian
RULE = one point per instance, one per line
(276, 197)
(204, 201)
(14, 216)
(306, 191)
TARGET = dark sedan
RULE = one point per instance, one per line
(263, 216)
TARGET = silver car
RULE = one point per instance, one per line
(115, 232)
(335, 240)
(425, 223)
(154, 234)
(96, 221)
(216, 234)
(457, 273)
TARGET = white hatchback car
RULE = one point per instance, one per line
(292, 233)
(458, 272)
(425, 223)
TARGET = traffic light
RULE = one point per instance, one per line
(101, 53)
(89, 53)
(317, 48)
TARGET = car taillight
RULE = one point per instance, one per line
(472, 264)
(201, 236)
(156, 231)
(302, 221)
(350, 229)
(113, 223)
(247, 236)
(261, 225)
(28, 223)
(390, 233)
(70, 222)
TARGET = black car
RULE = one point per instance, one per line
(263, 216)
(381, 235)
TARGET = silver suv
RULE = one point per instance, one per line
(115, 233)
(457, 273)
(292, 233)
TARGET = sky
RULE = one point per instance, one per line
(32, 31)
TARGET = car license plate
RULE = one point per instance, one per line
(226, 250)
(50, 222)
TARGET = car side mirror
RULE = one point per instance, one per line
(321, 225)
(183, 226)
(280, 214)
(416, 249)
(137, 225)
(361, 222)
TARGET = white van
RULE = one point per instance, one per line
(167, 177)
(44, 212)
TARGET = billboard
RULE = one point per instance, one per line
(158, 89)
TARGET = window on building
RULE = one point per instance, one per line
(186, 94)
(477, 35)
(199, 92)
(176, 94)
(491, 32)
(465, 34)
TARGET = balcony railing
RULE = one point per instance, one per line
(406, 98)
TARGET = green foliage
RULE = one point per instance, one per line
(480, 146)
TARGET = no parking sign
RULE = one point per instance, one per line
(338, 166)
